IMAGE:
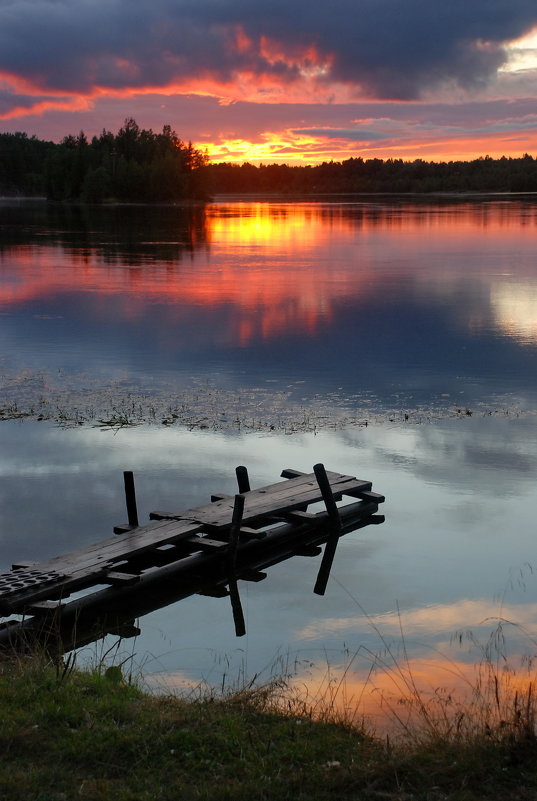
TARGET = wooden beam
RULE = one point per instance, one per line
(236, 607)
(335, 525)
(252, 575)
(115, 577)
(130, 498)
(243, 479)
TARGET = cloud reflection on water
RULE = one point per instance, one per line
(457, 545)
(347, 306)
(386, 304)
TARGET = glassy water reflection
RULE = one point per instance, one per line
(456, 550)
(366, 305)
(284, 313)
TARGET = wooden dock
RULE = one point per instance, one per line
(204, 550)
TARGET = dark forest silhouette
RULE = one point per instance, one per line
(375, 175)
(137, 165)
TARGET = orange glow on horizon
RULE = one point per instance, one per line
(301, 149)
(288, 145)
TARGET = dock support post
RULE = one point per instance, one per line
(234, 533)
(242, 478)
(335, 528)
(130, 498)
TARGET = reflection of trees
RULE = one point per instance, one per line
(115, 234)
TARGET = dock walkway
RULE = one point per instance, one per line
(208, 547)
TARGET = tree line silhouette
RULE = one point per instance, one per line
(137, 165)
(357, 175)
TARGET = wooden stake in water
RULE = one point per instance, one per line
(130, 498)
(242, 478)
(234, 533)
(335, 528)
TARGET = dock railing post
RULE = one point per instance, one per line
(335, 528)
(242, 478)
(234, 533)
(130, 498)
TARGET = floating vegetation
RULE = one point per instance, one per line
(198, 404)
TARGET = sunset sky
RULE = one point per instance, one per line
(295, 82)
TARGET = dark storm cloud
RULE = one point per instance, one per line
(9, 100)
(388, 48)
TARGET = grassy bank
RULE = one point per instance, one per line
(68, 734)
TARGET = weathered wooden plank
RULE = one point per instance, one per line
(252, 533)
(88, 565)
(188, 572)
(298, 516)
(271, 500)
(123, 528)
(290, 473)
(262, 505)
(225, 502)
(122, 579)
(367, 495)
(28, 579)
(45, 606)
(102, 562)
(131, 544)
(206, 543)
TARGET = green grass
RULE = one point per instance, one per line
(70, 734)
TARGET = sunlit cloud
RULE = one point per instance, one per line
(61, 62)
(522, 53)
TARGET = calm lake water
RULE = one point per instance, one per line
(267, 334)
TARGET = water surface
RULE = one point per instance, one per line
(268, 334)
(361, 307)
